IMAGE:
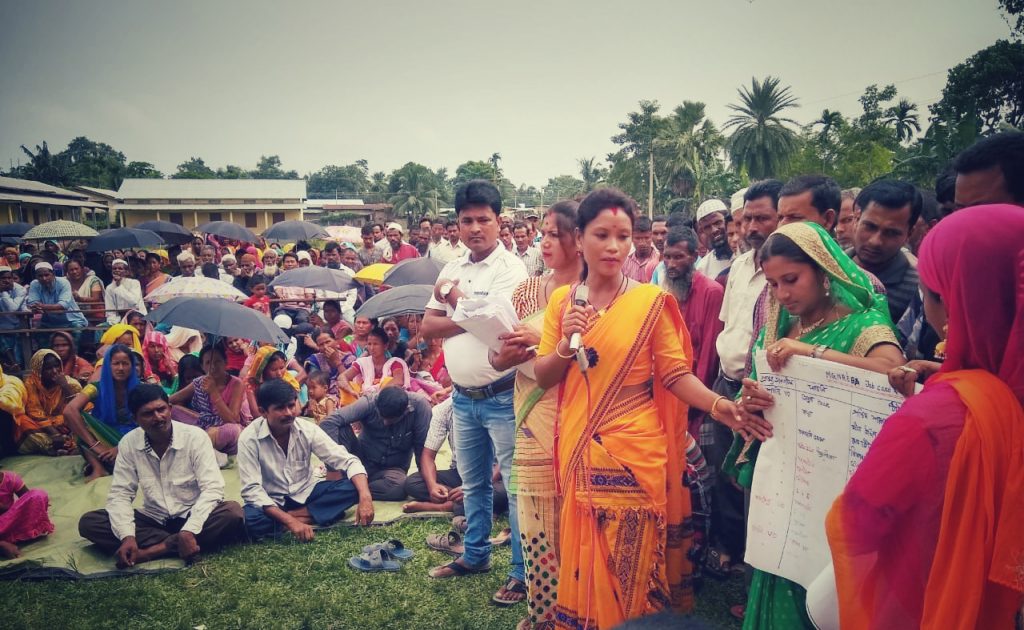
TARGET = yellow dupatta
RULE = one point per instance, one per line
(620, 464)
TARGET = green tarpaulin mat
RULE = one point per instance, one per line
(65, 554)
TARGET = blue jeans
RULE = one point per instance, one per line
(485, 431)
(326, 504)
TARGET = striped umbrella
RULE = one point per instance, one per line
(59, 230)
(195, 287)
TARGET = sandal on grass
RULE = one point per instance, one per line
(460, 524)
(393, 547)
(457, 570)
(716, 566)
(510, 594)
(450, 543)
(504, 537)
(374, 561)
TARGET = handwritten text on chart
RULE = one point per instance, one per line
(824, 419)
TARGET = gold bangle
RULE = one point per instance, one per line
(572, 355)
(714, 406)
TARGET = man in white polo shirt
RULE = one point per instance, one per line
(482, 400)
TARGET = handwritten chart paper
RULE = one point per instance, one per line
(824, 419)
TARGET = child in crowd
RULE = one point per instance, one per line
(258, 300)
(320, 404)
(237, 350)
(23, 514)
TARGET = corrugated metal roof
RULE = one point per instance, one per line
(106, 192)
(13, 183)
(212, 189)
(50, 201)
(206, 207)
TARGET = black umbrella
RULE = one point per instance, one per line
(172, 233)
(227, 229)
(218, 317)
(124, 238)
(10, 240)
(414, 271)
(295, 230)
(410, 299)
(15, 229)
(334, 280)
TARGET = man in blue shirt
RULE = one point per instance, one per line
(53, 298)
(12, 298)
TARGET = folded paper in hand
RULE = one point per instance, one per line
(486, 318)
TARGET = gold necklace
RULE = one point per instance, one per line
(806, 329)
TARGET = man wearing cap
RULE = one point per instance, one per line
(123, 294)
(482, 400)
(711, 229)
(53, 298)
(12, 299)
(398, 251)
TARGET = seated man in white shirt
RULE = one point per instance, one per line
(278, 486)
(183, 510)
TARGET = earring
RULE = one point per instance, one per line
(940, 348)
(828, 287)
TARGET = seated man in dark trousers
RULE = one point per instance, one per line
(434, 490)
(278, 486)
(395, 425)
(183, 510)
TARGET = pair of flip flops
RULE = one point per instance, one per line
(387, 556)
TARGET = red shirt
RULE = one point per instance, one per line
(405, 251)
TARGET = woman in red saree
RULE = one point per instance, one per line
(929, 531)
(620, 437)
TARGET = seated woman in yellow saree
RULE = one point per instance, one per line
(624, 531)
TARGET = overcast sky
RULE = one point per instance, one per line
(542, 83)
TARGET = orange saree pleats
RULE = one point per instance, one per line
(625, 511)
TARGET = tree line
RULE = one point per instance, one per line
(678, 158)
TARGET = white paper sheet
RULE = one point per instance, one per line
(824, 419)
(486, 318)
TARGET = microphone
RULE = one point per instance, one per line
(582, 297)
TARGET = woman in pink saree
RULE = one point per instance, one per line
(929, 532)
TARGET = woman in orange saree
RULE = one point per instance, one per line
(929, 531)
(619, 458)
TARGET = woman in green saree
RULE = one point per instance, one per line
(823, 306)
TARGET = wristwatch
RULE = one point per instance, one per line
(446, 288)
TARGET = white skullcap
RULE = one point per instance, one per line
(185, 257)
(736, 203)
(5, 269)
(119, 261)
(396, 226)
(304, 255)
(46, 265)
(228, 258)
(710, 206)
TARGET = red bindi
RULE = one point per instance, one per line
(615, 211)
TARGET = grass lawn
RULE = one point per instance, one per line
(290, 585)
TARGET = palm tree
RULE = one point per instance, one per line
(829, 122)
(414, 196)
(903, 118)
(689, 149)
(591, 173)
(761, 141)
(493, 161)
(45, 167)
